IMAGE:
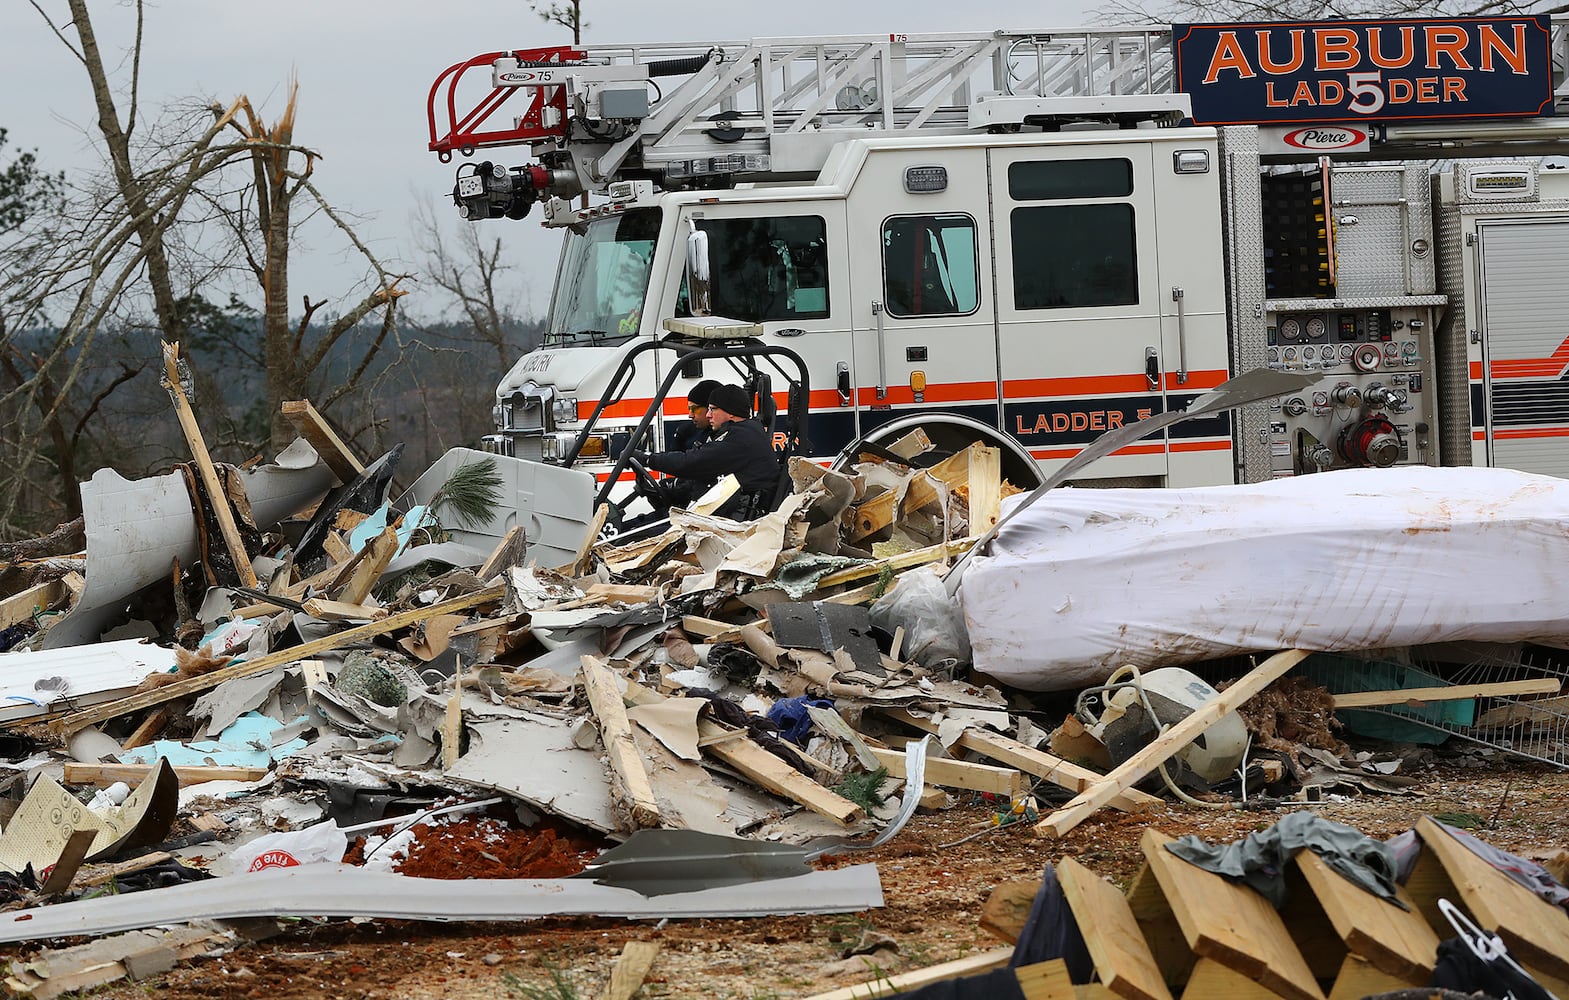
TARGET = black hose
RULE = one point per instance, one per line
(681, 67)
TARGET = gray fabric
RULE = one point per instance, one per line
(1261, 858)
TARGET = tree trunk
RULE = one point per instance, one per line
(118, 142)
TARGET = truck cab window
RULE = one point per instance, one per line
(929, 265)
(604, 280)
(767, 268)
(1070, 256)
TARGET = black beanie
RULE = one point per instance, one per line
(732, 399)
(701, 392)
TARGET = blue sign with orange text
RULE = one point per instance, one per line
(1374, 70)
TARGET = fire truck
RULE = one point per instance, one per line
(1024, 238)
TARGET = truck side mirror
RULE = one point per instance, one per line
(699, 289)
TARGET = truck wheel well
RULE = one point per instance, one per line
(951, 433)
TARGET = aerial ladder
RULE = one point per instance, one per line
(694, 115)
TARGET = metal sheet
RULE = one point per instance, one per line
(35, 683)
(553, 505)
(135, 527)
(827, 627)
(345, 891)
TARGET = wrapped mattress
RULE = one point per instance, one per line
(1085, 580)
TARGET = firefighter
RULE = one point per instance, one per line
(683, 491)
(738, 446)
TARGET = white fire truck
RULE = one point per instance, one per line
(1011, 236)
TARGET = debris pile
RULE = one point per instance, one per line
(316, 690)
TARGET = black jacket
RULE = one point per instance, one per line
(741, 448)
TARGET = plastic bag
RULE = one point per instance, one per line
(934, 632)
(323, 842)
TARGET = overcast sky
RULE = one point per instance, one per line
(365, 68)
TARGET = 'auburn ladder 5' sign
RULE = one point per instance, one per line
(1377, 70)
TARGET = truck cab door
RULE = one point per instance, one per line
(1079, 312)
(925, 336)
(785, 266)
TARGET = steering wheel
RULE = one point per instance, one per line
(647, 485)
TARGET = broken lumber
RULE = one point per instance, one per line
(917, 442)
(354, 581)
(887, 985)
(509, 552)
(250, 668)
(957, 773)
(104, 775)
(1062, 773)
(216, 494)
(631, 968)
(898, 563)
(585, 550)
(924, 487)
(1144, 761)
(341, 611)
(149, 729)
(985, 490)
(313, 427)
(1454, 692)
(774, 775)
(20, 607)
(72, 855)
(628, 775)
(59, 971)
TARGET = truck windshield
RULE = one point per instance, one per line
(604, 279)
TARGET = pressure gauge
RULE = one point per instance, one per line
(1308, 353)
(1366, 357)
(1315, 328)
(1291, 355)
(1290, 329)
(1345, 352)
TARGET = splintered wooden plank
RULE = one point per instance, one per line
(774, 775)
(882, 510)
(1229, 923)
(250, 668)
(631, 968)
(1122, 956)
(1395, 941)
(313, 427)
(354, 581)
(1062, 773)
(216, 495)
(1535, 931)
(1144, 761)
(20, 607)
(629, 775)
(985, 490)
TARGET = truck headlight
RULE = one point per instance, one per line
(565, 410)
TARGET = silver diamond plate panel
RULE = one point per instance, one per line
(1380, 212)
(1243, 232)
(1450, 342)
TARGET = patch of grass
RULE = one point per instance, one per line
(1465, 821)
(560, 985)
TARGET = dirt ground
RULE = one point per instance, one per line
(934, 894)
